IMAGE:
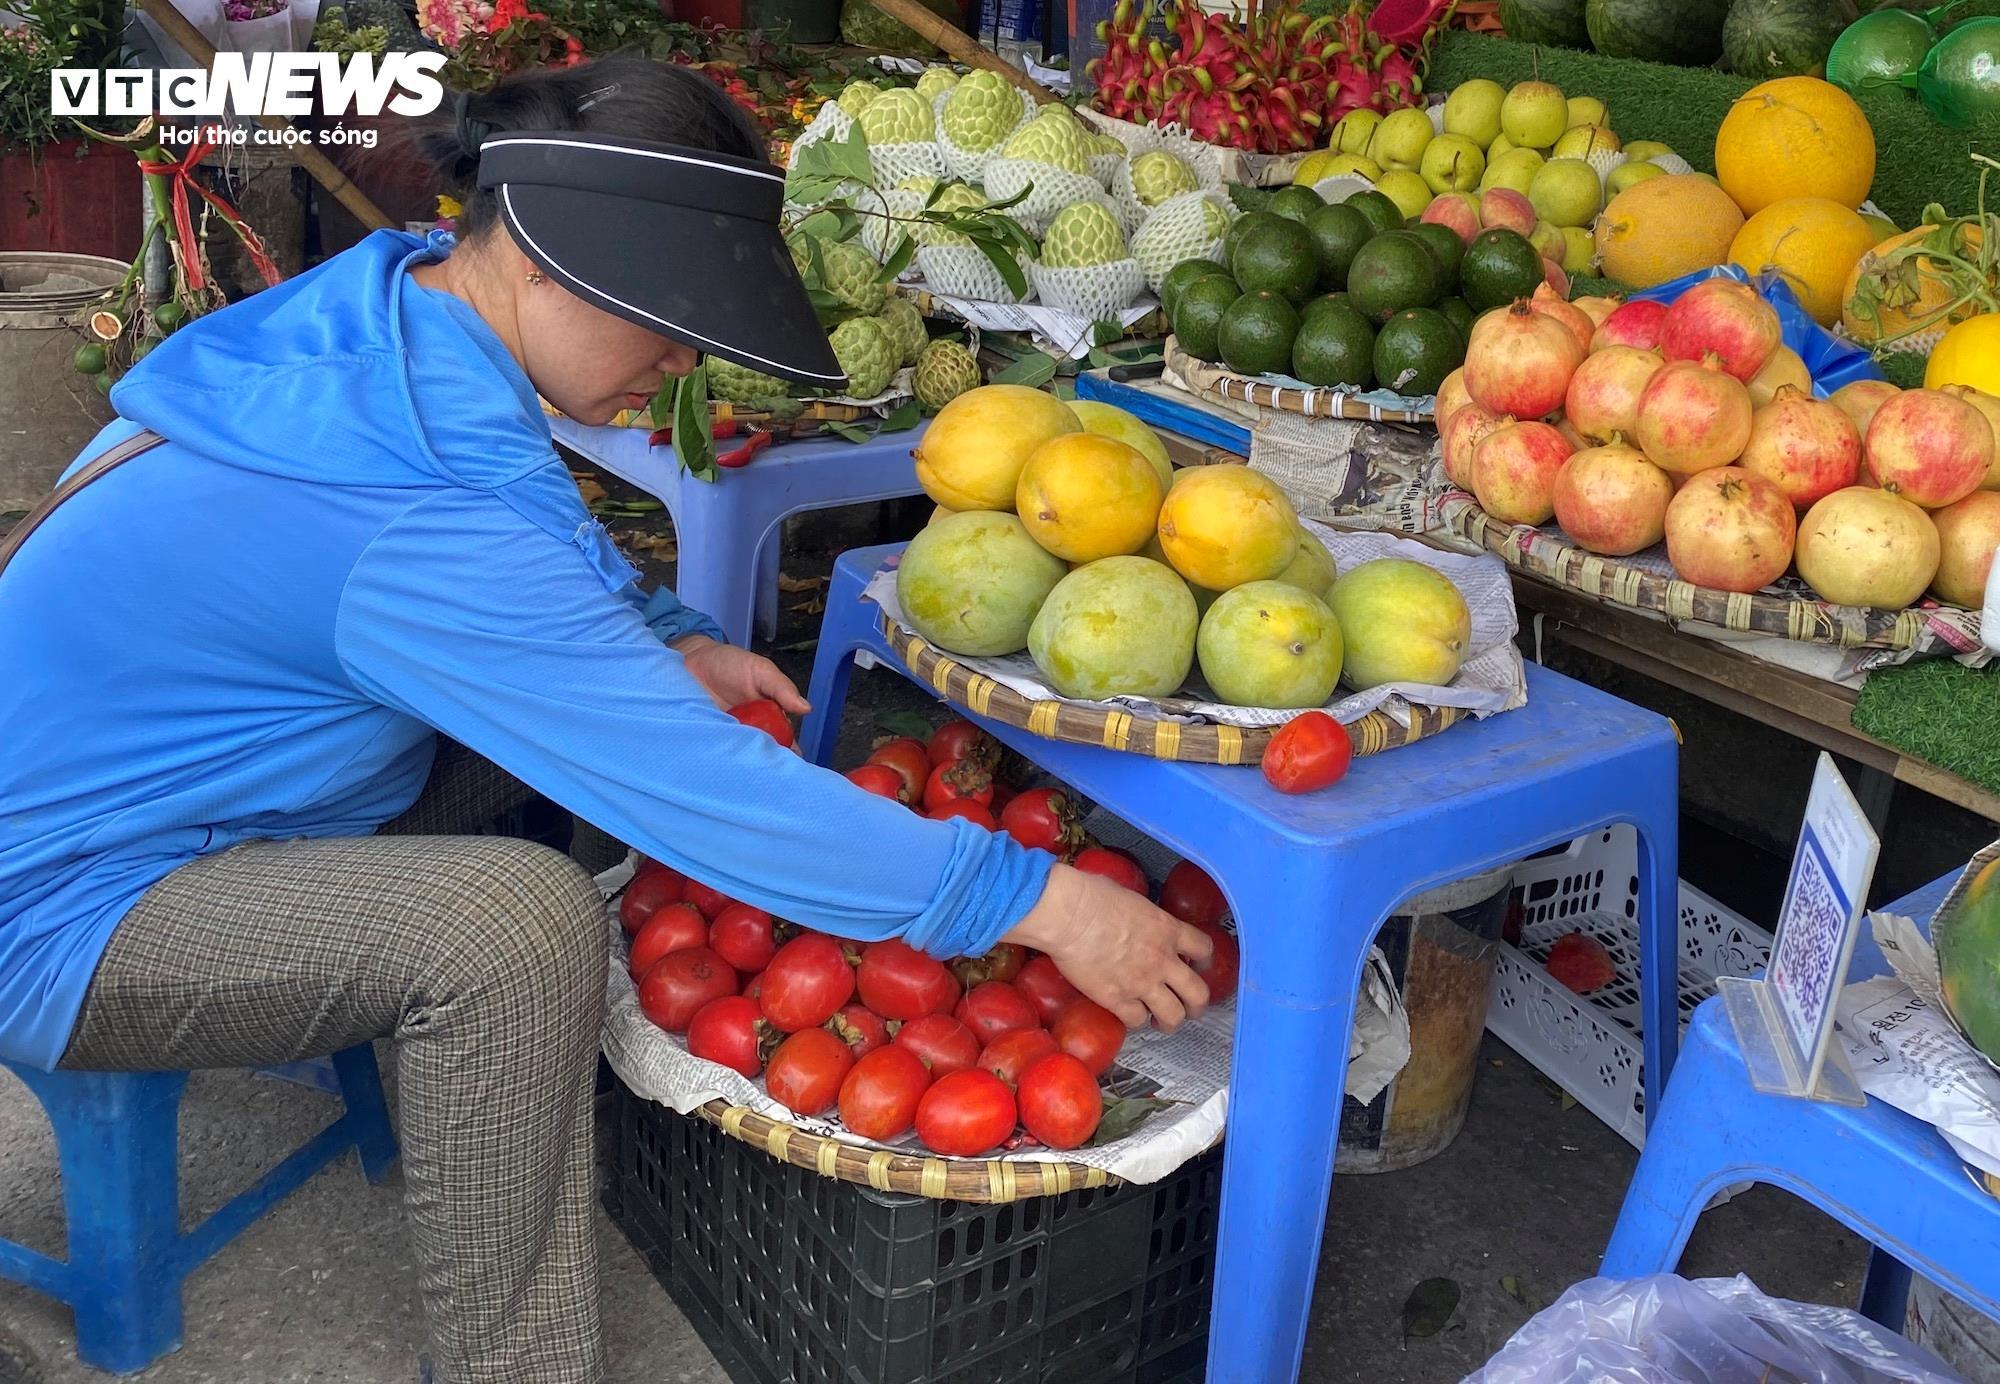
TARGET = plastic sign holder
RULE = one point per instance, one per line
(1784, 1021)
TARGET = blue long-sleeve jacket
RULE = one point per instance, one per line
(359, 535)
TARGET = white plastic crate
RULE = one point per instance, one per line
(1590, 1045)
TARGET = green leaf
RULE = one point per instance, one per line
(899, 260)
(821, 225)
(1122, 1115)
(1034, 370)
(910, 723)
(1429, 1308)
(1101, 359)
(1009, 267)
(1106, 333)
(902, 418)
(1009, 202)
(849, 432)
(693, 443)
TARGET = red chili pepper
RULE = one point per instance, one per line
(740, 455)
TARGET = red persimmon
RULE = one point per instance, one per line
(1090, 1033)
(879, 1097)
(960, 779)
(1013, 1053)
(681, 983)
(767, 716)
(1190, 895)
(805, 1072)
(1044, 819)
(1115, 865)
(709, 901)
(899, 982)
(908, 758)
(861, 1028)
(732, 1031)
(673, 928)
(1004, 962)
(966, 1114)
(879, 779)
(942, 1043)
(806, 983)
(956, 740)
(743, 935)
(1223, 962)
(1046, 988)
(995, 1009)
(648, 893)
(1059, 1101)
(968, 809)
(1310, 751)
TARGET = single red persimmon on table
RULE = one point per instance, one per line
(1311, 751)
(649, 892)
(995, 1009)
(1013, 1053)
(1045, 819)
(966, 1114)
(767, 716)
(861, 1028)
(680, 983)
(806, 1071)
(899, 982)
(879, 1097)
(743, 935)
(941, 1042)
(1059, 1101)
(1090, 1033)
(732, 1031)
(806, 983)
(673, 928)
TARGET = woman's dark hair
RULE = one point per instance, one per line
(622, 95)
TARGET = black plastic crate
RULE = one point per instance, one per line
(793, 1278)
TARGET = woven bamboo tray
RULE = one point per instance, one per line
(982, 1180)
(1114, 729)
(1212, 381)
(1802, 617)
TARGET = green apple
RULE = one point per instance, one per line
(1548, 241)
(1406, 189)
(1353, 131)
(1585, 110)
(1516, 169)
(1534, 115)
(1566, 192)
(1452, 163)
(1646, 149)
(1578, 250)
(1473, 110)
(1628, 173)
(1352, 163)
(1401, 138)
(1581, 141)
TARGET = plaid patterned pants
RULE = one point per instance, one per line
(485, 957)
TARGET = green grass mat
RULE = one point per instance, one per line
(1918, 161)
(1940, 711)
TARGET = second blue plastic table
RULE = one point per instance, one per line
(1310, 880)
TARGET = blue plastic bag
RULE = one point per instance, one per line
(1830, 361)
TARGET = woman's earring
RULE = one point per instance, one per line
(535, 277)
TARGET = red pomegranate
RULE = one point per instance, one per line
(1603, 398)
(1463, 431)
(1514, 472)
(1693, 416)
(1807, 447)
(1519, 361)
(1727, 318)
(1730, 530)
(1612, 500)
(1929, 447)
(1550, 304)
(1636, 323)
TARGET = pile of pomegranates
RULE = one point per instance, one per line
(1693, 424)
(975, 1054)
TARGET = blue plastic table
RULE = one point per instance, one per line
(727, 531)
(1888, 1177)
(1311, 880)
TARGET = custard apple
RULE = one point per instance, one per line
(1056, 140)
(737, 385)
(851, 274)
(866, 355)
(899, 117)
(918, 183)
(1083, 234)
(956, 198)
(1215, 220)
(944, 371)
(1156, 176)
(934, 81)
(857, 96)
(981, 111)
(905, 325)
(1107, 144)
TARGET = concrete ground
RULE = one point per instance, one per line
(323, 1290)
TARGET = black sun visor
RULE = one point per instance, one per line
(683, 242)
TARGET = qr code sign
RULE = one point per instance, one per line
(1809, 944)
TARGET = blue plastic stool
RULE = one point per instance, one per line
(728, 531)
(1311, 880)
(1887, 1177)
(118, 1145)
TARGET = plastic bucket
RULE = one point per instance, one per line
(48, 412)
(1441, 950)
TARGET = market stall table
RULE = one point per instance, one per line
(1809, 708)
(728, 531)
(1311, 880)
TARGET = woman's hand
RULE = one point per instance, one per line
(733, 676)
(1118, 949)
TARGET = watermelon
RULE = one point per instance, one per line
(1783, 38)
(1555, 22)
(1968, 951)
(1684, 33)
